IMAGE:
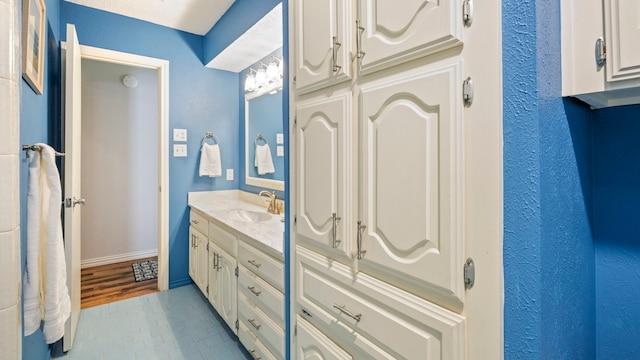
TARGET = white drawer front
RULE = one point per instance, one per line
(268, 298)
(261, 325)
(199, 222)
(268, 268)
(407, 327)
(253, 345)
(227, 241)
(313, 344)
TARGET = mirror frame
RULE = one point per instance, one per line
(249, 180)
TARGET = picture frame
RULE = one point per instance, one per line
(33, 35)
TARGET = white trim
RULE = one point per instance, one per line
(162, 66)
(112, 259)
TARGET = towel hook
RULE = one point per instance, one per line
(210, 135)
(259, 137)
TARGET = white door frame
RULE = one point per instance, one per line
(162, 68)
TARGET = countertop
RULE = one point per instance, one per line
(266, 235)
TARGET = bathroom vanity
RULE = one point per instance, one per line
(236, 259)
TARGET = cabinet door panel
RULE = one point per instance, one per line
(193, 259)
(227, 288)
(314, 345)
(395, 34)
(213, 277)
(323, 171)
(317, 23)
(411, 182)
(622, 18)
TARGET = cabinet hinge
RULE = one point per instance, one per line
(467, 92)
(207, 289)
(469, 274)
(601, 52)
(295, 220)
(295, 121)
(237, 325)
(207, 247)
(467, 12)
(295, 79)
(295, 330)
(236, 271)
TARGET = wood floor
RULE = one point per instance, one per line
(113, 282)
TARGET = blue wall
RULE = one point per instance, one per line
(548, 244)
(617, 231)
(38, 113)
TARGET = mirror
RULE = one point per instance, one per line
(263, 123)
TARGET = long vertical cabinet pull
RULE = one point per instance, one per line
(334, 230)
(359, 31)
(195, 241)
(359, 240)
(336, 46)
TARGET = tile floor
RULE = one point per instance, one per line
(174, 324)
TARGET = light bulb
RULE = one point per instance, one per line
(272, 72)
(250, 83)
(261, 78)
(281, 67)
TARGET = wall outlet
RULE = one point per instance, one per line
(279, 138)
(229, 174)
(179, 134)
(280, 150)
(179, 150)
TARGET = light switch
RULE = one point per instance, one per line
(179, 150)
(179, 134)
(279, 138)
(280, 151)
(229, 174)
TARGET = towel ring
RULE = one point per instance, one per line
(210, 135)
(259, 137)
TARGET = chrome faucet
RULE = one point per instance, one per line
(273, 201)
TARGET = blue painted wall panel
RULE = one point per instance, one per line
(617, 231)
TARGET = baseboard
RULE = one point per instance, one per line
(179, 283)
(112, 259)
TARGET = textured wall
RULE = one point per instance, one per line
(617, 231)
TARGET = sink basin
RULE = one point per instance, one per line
(250, 216)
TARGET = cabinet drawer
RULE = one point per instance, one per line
(311, 342)
(199, 222)
(224, 239)
(268, 298)
(253, 345)
(268, 268)
(269, 333)
(373, 315)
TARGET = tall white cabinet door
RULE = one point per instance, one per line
(323, 172)
(314, 345)
(213, 277)
(411, 180)
(322, 48)
(622, 21)
(393, 33)
(227, 304)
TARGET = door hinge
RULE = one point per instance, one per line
(237, 325)
(601, 52)
(295, 330)
(295, 79)
(469, 274)
(467, 12)
(295, 220)
(236, 271)
(467, 92)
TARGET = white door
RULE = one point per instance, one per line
(411, 181)
(72, 149)
(622, 19)
(227, 288)
(323, 171)
(323, 43)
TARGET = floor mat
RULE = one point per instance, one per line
(145, 270)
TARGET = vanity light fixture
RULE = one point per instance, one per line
(250, 82)
(267, 76)
(273, 73)
(261, 77)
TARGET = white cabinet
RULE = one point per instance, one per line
(600, 52)
(223, 285)
(198, 259)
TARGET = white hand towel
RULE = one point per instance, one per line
(46, 293)
(264, 161)
(210, 163)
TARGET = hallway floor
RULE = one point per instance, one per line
(174, 324)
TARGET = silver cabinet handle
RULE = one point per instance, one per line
(253, 322)
(216, 261)
(254, 263)
(334, 230)
(191, 240)
(195, 243)
(359, 240)
(194, 221)
(359, 31)
(336, 46)
(253, 355)
(343, 310)
(254, 291)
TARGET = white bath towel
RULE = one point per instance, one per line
(263, 160)
(46, 296)
(210, 163)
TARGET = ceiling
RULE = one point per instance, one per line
(198, 17)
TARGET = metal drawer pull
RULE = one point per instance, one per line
(336, 46)
(253, 290)
(253, 355)
(254, 263)
(253, 322)
(359, 240)
(216, 261)
(334, 230)
(194, 221)
(347, 312)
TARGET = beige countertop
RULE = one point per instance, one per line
(218, 206)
